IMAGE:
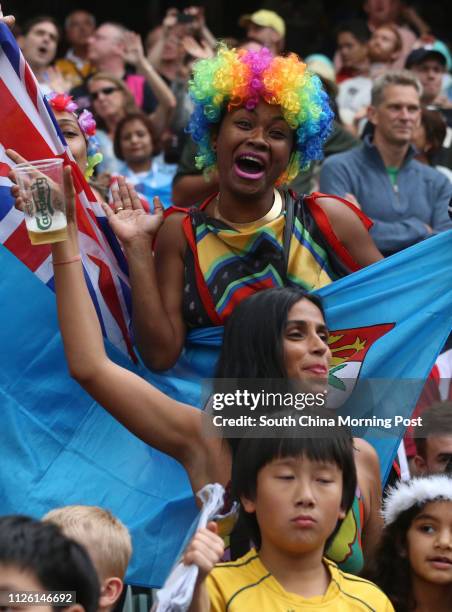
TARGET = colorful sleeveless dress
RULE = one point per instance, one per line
(225, 264)
(346, 548)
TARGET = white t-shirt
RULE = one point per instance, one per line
(353, 95)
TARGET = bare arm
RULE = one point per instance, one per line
(166, 100)
(351, 232)
(200, 601)
(199, 26)
(157, 291)
(157, 419)
(169, 426)
(205, 551)
(369, 480)
(413, 18)
(156, 280)
(155, 53)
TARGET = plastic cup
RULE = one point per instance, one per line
(42, 189)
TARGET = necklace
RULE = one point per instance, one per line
(271, 215)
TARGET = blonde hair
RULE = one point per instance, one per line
(105, 537)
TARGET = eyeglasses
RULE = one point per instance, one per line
(107, 91)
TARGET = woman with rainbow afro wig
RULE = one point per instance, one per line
(258, 119)
(236, 78)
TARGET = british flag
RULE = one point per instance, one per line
(29, 127)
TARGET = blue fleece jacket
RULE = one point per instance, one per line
(401, 212)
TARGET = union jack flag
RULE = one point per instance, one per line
(29, 127)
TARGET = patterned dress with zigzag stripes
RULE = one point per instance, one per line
(225, 264)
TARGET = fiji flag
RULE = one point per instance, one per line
(389, 322)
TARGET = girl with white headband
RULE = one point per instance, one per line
(413, 565)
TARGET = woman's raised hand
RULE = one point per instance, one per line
(133, 49)
(198, 50)
(127, 217)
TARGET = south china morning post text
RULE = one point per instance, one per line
(260, 413)
(310, 420)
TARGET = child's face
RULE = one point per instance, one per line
(14, 579)
(297, 503)
(429, 543)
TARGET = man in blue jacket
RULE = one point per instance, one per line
(406, 200)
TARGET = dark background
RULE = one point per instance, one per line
(310, 23)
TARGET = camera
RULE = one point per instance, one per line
(185, 18)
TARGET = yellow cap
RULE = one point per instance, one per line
(265, 19)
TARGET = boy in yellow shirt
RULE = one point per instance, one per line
(294, 492)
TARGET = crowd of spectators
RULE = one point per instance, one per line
(388, 154)
(156, 76)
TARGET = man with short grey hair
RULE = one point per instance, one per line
(106, 48)
(406, 200)
(108, 52)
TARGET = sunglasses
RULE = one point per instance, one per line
(107, 91)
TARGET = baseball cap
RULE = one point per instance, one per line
(265, 19)
(433, 51)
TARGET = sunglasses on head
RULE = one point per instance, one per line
(105, 90)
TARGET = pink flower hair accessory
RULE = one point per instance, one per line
(87, 123)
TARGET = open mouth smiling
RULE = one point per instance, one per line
(249, 166)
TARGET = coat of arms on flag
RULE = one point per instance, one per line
(349, 348)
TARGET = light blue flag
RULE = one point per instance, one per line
(61, 448)
(404, 304)
(58, 447)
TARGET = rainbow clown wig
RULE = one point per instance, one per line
(235, 78)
